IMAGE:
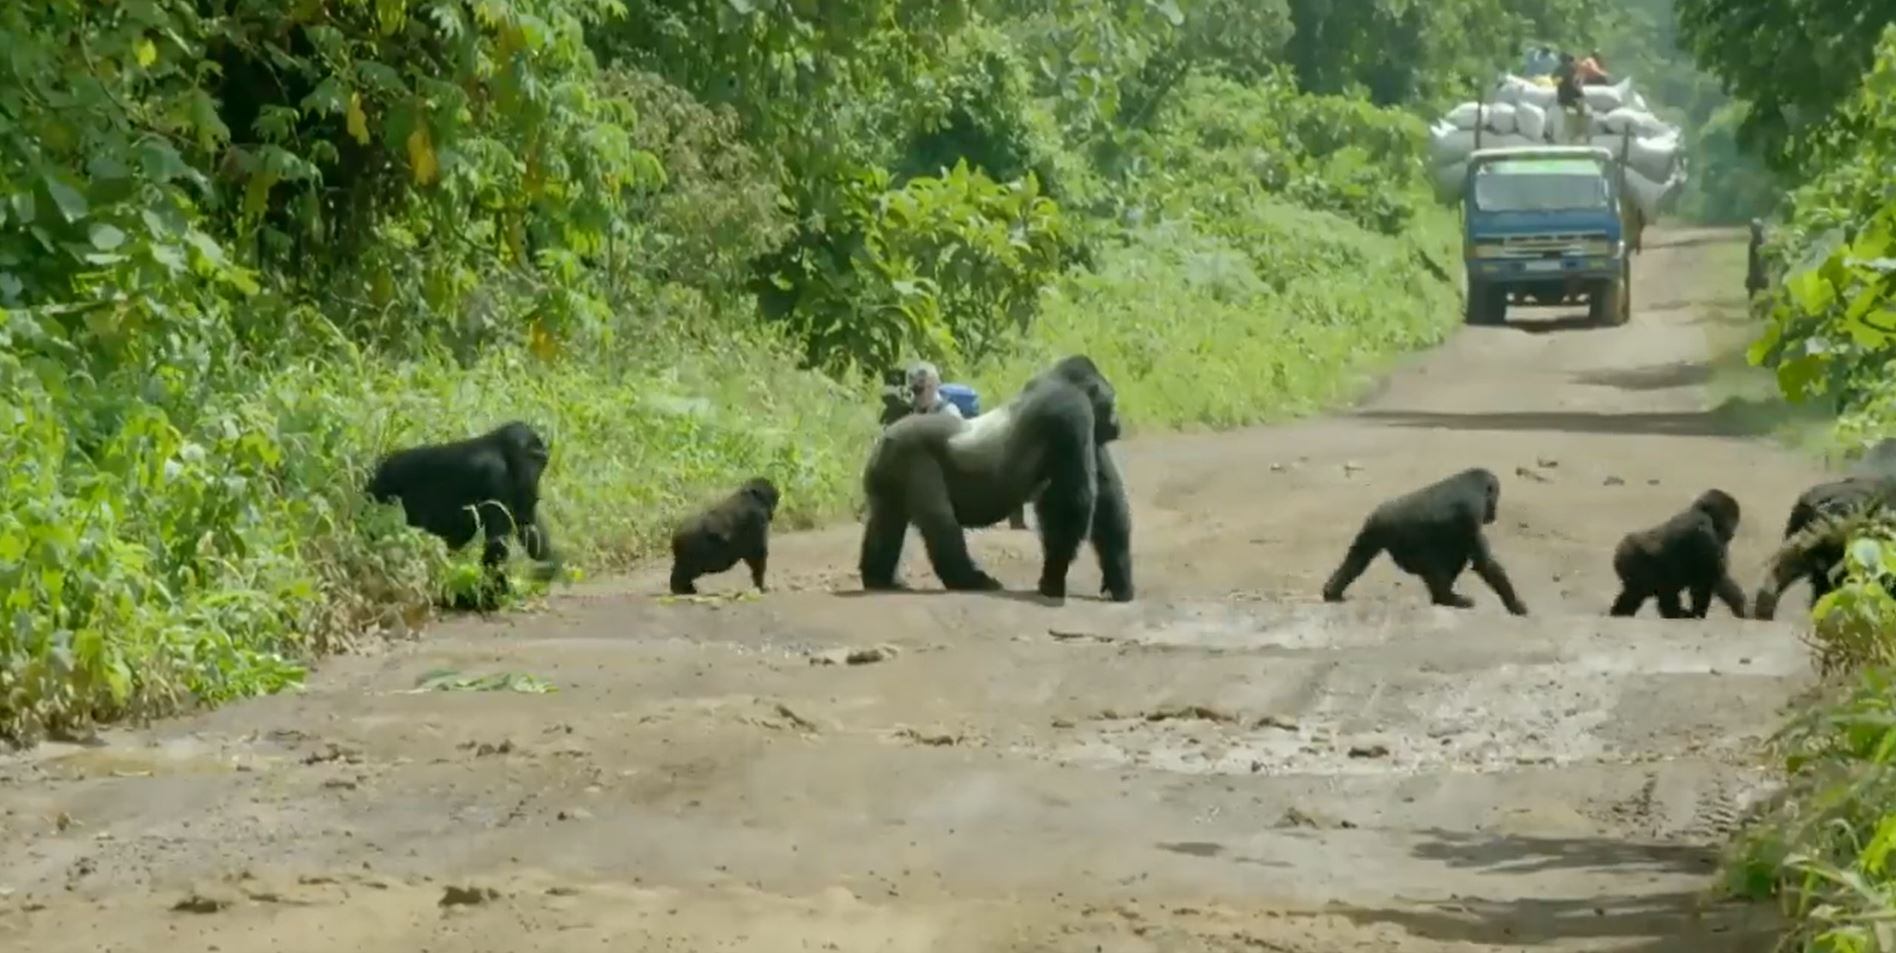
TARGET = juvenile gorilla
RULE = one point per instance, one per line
(945, 474)
(1686, 552)
(1433, 533)
(488, 484)
(1814, 537)
(738, 527)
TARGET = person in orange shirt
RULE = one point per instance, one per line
(1592, 70)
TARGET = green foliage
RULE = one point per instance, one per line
(1728, 182)
(1429, 54)
(247, 246)
(206, 563)
(949, 265)
(1794, 61)
(721, 206)
(1220, 143)
(1238, 318)
(1831, 332)
(1824, 848)
(1831, 328)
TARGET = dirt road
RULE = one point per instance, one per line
(1225, 764)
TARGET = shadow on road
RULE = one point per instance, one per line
(1669, 922)
(1564, 324)
(1697, 240)
(1028, 596)
(1207, 849)
(1651, 377)
(1736, 417)
(1527, 855)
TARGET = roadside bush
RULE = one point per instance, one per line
(1241, 320)
(1830, 334)
(209, 562)
(247, 247)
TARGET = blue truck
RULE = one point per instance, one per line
(1548, 225)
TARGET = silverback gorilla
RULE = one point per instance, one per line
(945, 474)
(1434, 533)
(713, 540)
(488, 484)
(1813, 537)
(1686, 552)
(896, 405)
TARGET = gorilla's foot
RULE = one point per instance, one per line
(883, 584)
(1122, 594)
(1455, 600)
(975, 581)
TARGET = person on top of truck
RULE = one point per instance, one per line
(1540, 62)
(1592, 70)
(1571, 100)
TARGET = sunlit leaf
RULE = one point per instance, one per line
(421, 156)
(105, 237)
(358, 121)
(72, 205)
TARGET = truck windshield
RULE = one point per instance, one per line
(1541, 185)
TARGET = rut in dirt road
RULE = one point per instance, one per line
(1224, 764)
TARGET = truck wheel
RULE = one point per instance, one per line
(1486, 304)
(1611, 302)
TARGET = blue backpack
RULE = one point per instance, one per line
(964, 398)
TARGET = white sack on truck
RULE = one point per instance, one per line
(1519, 91)
(1610, 142)
(1605, 99)
(1530, 121)
(1447, 179)
(1647, 194)
(1449, 144)
(1463, 116)
(1557, 121)
(1531, 93)
(1641, 122)
(1654, 157)
(1498, 117)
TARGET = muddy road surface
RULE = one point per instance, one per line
(1225, 764)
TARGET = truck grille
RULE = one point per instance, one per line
(1541, 246)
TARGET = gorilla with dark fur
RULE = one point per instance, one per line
(1434, 533)
(1687, 552)
(945, 474)
(895, 406)
(488, 484)
(738, 527)
(1814, 537)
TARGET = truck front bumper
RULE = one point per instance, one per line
(1513, 272)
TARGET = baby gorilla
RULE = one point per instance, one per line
(737, 528)
(1686, 552)
(1434, 533)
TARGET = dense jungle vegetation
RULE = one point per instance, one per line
(247, 246)
(1829, 331)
